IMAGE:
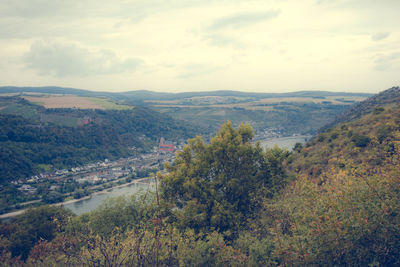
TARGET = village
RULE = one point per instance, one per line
(82, 180)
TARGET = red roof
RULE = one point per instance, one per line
(166, 147)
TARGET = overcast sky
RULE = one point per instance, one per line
(196, 45)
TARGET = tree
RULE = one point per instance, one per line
(217, 186)
(35, 224)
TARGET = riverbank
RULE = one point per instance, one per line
(71, 201)
(105, 191)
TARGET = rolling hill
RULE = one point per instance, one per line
(333, 202)
(367, 133)
(343, 207)
(32, 136)
(302, 112)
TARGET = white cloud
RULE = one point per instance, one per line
(242, 19)
(221, 40)
(256, 45)
(193, 70)
(60, 59)
(385, 62)
(380, 36)
(41, 8)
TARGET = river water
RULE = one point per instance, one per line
(285, 142)
(95, 201)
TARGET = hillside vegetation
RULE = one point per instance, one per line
(333, 202)
(291, 113)
(32, 136)
(301, 112)
(366, 135)
(343, 209)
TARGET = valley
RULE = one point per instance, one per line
(139, 133)
(59, 144)
(323, 195)
(83, 181)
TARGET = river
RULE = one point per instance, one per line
(285, 142)
(92, 203)
(96, 199)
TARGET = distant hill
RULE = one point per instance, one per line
(32, 136)
(333, 202)
(343, 207)
(302, 112)
(49, 90)
(151, 95)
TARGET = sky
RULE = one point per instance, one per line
(201, 45)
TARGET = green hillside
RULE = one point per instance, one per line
(290, 117)
(32, 136)
(343, 209)
(367, 134)
(151, 95)
(302, 112)
(229, 202)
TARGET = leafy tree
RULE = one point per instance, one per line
(114, 214)
(218, 186)
(297, 147)
(53, 197)
(350, 220)
(35, 224)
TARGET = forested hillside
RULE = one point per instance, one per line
(343, 209)
(302, 112)
(33, 137)
(367, 134)
(143, 95)
(333, 202)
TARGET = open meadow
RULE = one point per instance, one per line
(71, 101)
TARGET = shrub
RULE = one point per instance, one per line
(361, 140)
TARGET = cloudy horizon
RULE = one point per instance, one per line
(193, 45)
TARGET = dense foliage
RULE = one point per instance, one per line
(289, 117)
(45, 138)
(343, 208)
(218, 186)
(40, 224)
(367, 141)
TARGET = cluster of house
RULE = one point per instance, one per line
(28, 189)
(63, 172)
(268, 133)
(104, 171)
(105, 176)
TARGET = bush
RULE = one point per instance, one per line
(347, 221)
(34, 225)
(361, 140)
(378, 110)
(383, 132)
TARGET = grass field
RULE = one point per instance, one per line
(253, 104)
(27, 112)
(106, 104)
(71, 101)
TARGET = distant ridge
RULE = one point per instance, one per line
(151, 95)
(49, 90)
